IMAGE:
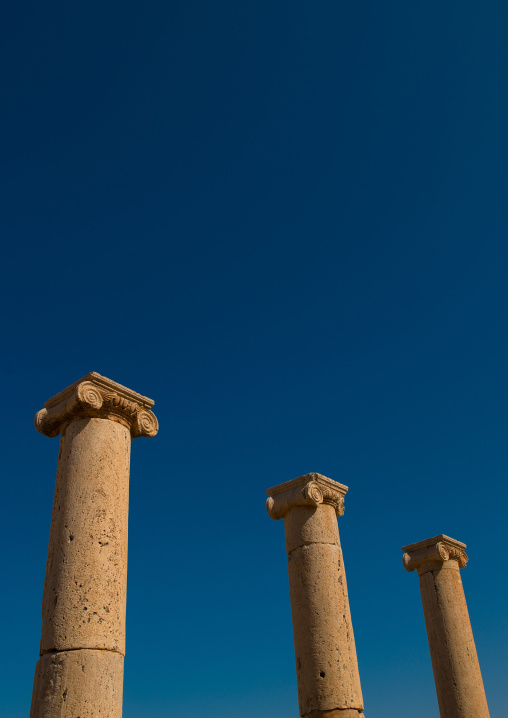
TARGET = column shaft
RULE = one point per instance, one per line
(78, 684)
(84, 598)
(457, 675)
(325, 652)
(80, 672)
(326, 663)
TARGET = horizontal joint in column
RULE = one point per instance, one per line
(53, 651)
(337, 713)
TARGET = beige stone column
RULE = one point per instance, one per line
(457, 675)
(326, 664)
(80, 671)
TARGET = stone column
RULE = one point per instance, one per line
(457, 675)
(80, 671)
(326, 664)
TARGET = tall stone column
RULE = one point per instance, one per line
(457, 675)
(326, 664)
(80, 671)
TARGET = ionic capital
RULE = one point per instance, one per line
(308, 490)
(96, 396)
(433, 553)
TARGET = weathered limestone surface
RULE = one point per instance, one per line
(60, 678)
(457, 675)
(326, 662)
(86, 574)
(80, 672)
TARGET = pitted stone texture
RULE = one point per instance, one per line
(86, 575)
(325, 652)
(457, 675)
(326, 663)
(84, 684)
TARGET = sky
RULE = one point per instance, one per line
(285, 223)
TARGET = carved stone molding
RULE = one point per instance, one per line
(308, 490)
(433, 553)
(96, 396)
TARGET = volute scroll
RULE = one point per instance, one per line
(96, 396)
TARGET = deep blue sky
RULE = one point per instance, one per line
(286, 223)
